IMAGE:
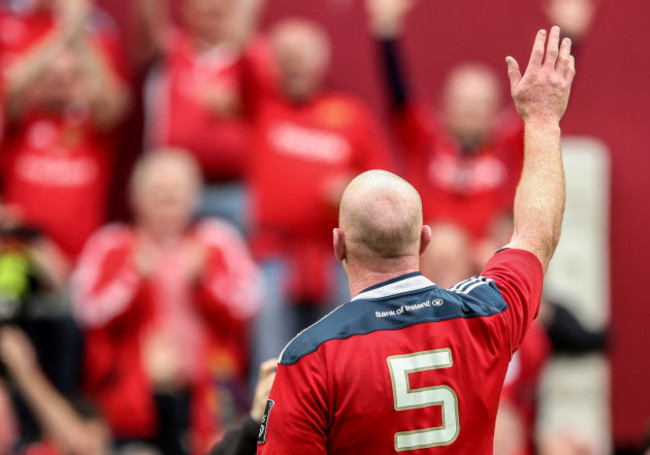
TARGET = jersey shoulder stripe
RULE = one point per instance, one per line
(396, 304)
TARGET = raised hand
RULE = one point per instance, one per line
(542, 93)
(387, 16)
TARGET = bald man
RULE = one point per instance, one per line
(408, 366)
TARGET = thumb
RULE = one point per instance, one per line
(513, 71)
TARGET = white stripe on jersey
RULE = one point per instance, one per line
(462, 284)
(467, 286)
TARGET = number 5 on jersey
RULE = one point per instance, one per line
(400, 366)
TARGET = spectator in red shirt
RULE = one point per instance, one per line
(465, 162)
(63, 93)
(192, 96)
(308, 142)
(466, 158)
(164, 305)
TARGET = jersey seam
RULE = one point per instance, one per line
(395, 328)
(502, 313)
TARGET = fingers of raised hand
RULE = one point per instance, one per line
(552, 47)
(572, 67)
(563, 65)
(537, 54)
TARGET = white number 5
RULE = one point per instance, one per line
(400, 367)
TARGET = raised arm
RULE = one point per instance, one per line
(386, 23)
(244, 19)
(541, 96)
(108, 96)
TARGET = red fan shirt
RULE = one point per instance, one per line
(469, 188)
(179, 116)
(119, 308)
(405, 366)
(56, 174)
(56, 167)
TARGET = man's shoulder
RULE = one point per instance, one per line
(473, 298)
(335, 325)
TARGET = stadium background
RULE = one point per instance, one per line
(610, 101)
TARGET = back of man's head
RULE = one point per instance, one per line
(381, 217)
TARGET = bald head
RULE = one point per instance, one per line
(381, 217)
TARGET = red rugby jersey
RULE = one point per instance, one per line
(405, 366)
(469, 189)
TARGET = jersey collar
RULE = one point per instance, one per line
(409, 282)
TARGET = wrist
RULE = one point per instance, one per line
(546, 123)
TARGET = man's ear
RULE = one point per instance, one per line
(339, 244)
(425, 238)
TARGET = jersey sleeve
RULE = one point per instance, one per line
(231, 279)
(519, 276)
(296, 419)
(105, 280)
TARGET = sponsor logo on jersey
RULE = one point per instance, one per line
(409, 308)
(309, 144)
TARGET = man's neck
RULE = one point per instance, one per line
(362, 277)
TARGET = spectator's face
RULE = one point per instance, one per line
(165, 199)
(207, 19)
(63, 81)
(471, 104)
(302, 54)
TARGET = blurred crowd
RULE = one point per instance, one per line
(146, 337)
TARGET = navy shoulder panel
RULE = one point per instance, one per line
(473, 298)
